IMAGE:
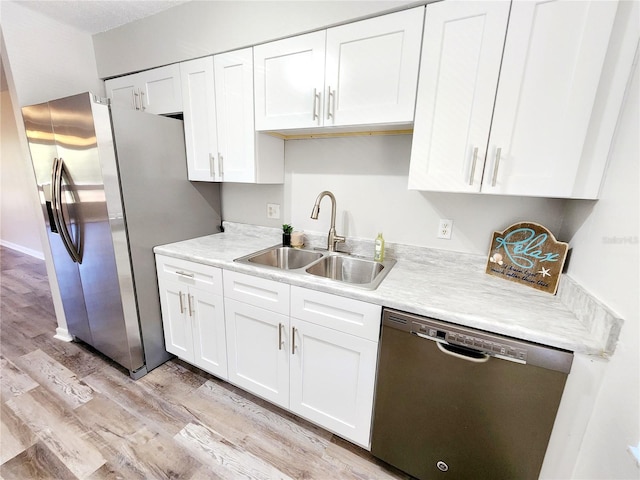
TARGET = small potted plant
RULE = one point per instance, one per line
(286, 235)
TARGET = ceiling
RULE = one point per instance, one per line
(95, 16)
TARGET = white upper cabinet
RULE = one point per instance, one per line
(461, 54)
(372, 69)
(222, 144)
(200, 131)
(289, 81)
(243, 155)
(355, 74)
(234, 111)
(541, 96)
(153, 91)
(553, 59)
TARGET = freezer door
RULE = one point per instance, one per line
(77, 124)
(55, 190)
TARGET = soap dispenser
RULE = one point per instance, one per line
(379, 248)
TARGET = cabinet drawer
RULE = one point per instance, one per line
(205, 277)
(263, 293)
(343, 314)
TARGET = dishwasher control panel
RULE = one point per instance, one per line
(485, 344)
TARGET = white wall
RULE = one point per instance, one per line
(47, 59)
(200, 28)
(606, 262)
(19, 220)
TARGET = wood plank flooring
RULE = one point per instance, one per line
(67, 412)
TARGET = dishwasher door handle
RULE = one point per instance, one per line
(482, 358)
(442, 346)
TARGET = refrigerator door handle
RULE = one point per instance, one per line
(56, 201)
(54, 196)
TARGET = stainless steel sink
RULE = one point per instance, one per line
(285, 258)
(335, 267)
(346, 269)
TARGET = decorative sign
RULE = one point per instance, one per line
(529, 254)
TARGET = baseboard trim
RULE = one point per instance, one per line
(63, 334)
(20, 248)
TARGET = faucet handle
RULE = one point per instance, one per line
(337, 239)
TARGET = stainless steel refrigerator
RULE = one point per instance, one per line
(113, 184)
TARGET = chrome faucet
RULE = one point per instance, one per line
(332, 238)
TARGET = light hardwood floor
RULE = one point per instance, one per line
(70, 413)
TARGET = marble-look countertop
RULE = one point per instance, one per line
(435, 283)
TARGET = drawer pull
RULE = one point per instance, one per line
(185, 274)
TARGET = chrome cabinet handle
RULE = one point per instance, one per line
(185, 274)
(142, 107)
(473, 166)
(135, 100)
(220, 164)
(293, 340)
(212, 172)
(280, 336)
(181, 304)
(189, 303)
(331, 103)
(316, 104)
(496, 165)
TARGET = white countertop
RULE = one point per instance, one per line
(443, 285)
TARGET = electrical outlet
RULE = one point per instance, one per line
(273, 210)
(444, 228)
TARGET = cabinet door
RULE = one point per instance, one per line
(123, 92)
(461, 53)
(372, 69)
(178, 332)
(200, 129)
(553, 57)
(234, 111)
(160, 89)
(258, 350)
(289, 82)
(209, 339)
(332, 379)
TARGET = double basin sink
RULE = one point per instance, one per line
(339, 267)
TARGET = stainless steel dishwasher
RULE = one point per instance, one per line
(457, 403)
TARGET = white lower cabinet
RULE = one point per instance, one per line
(310, 352)
(193, 313)
(257, 351)
(332, 378)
